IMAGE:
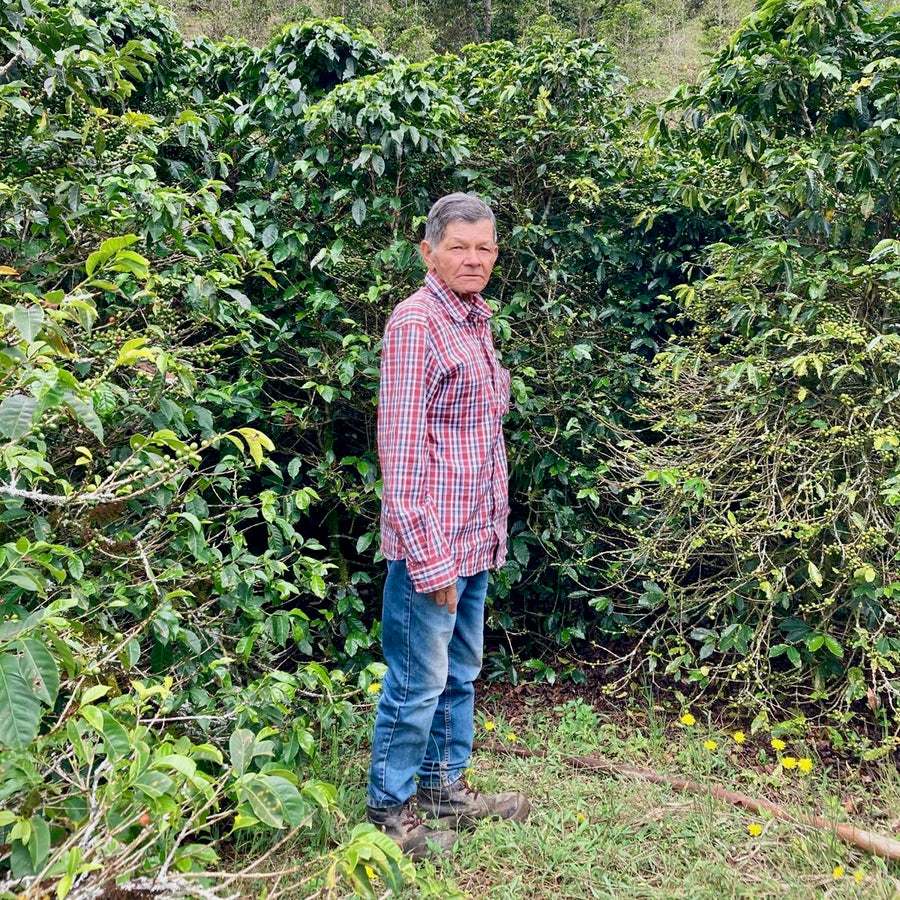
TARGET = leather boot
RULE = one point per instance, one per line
(462, 806)
(408, 830)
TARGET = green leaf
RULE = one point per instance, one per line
(132, 351)
(39, 669)
(821, 67)
(64, 886)
(16, 414)
(815, 576)
(118, 743)
(256, 441)
(94, 692)
(269, 235)
(358, 210)
(264, 801)
(107, 249)
(322, 793)
(814, 642)
(39, 842)
(130, 654)
(240, 746)
(28, 321)
(20, 710)
(183, 764)
(28, 581)
(275, 800)
(94, 717)
(193, 520)
(85, 413)
(131, 262)
(154, 784)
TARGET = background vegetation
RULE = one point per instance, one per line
(659, 42)
(199, 244)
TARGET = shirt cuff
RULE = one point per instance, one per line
(431, 575)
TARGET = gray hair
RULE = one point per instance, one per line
(456, 207)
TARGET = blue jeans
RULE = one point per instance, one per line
(425, 720)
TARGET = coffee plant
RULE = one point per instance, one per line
(199, 245)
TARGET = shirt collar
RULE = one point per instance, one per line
(453, 303)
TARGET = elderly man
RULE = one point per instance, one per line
(443, 526)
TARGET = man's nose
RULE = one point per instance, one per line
(472, 257)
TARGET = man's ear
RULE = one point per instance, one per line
(425, 253)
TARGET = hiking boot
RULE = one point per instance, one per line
(408, 830)
(462, 806)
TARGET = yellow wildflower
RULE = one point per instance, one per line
(778, 744)
(688, 719)
(739, 737)
(489, 725)
(581, 817)
(789, 762)
(710, 745)
(511, 736)
(755, 829)
(859, 876)
(374, 687)
(837, 872)
(805, 765)
(370, 872)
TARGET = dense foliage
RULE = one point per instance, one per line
(654, 39)
(199, 244)
(774, 478)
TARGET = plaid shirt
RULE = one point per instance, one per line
(440, 438)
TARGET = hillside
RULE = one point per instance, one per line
(660, 42)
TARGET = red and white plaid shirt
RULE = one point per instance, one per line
(440, 438)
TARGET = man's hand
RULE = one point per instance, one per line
(445, 596)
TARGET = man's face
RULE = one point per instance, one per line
(465, 256)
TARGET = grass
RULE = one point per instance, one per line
(592, 835)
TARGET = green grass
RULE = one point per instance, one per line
(592, 835)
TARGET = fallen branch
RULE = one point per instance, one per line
(877, 844)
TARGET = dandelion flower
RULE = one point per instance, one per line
(489, 725)
(374, 687)
(805, 765)
(789, 762)
(837, 872)
(739, 737)
(710, 745)
(755, 829)
(778, 744)
(511, 736)
(859, 876)
(688, 719)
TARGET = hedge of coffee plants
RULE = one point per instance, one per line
(199, 245)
